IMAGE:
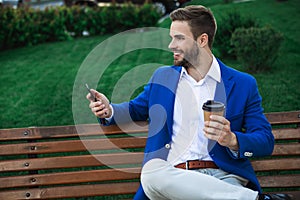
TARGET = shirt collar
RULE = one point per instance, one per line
(214, 71)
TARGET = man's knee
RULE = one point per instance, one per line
(153, 175)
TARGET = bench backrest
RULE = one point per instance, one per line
(91, 160)
(280, 172)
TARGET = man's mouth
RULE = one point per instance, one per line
(177, 54)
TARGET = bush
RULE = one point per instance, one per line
(226, 26)
(25, 26)
(256, 48)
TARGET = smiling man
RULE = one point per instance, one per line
(186, 157)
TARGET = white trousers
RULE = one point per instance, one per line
(161, 181)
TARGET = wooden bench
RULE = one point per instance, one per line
(95, 161)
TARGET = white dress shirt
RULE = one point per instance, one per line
(188, 141)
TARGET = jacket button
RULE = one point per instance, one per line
(248, 154)
(168, 146)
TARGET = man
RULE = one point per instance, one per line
(185, 157)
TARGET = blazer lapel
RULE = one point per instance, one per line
(173, 78)
(224, 88)
(222, 93)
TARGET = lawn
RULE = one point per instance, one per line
(43, 85)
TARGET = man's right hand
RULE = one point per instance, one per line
(99, 106)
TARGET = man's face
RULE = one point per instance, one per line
(183, 46)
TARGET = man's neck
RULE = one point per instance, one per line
(199, 71)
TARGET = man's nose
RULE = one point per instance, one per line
(172, 45)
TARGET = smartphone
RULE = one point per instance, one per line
(92, 95)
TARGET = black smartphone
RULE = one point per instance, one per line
(92, 95)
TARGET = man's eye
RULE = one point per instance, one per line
(179, 37)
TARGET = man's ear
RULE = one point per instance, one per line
(202, 40)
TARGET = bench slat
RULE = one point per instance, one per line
(71, 161)
(71, 191)
(103, 144)
(290, 117)
(276, 164)
(286, 149)
(279, 181)
(72, 146)
(286, 133)
(70, 177)
(70, 131)
(37, 133)
(275, 118)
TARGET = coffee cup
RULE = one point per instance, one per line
(212, 107)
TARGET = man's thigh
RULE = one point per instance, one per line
(225, 176)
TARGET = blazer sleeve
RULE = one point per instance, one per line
(256, 139)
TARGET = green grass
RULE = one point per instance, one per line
(37, 82)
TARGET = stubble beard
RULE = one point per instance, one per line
(190, 59)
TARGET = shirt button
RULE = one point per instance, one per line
(168, 146)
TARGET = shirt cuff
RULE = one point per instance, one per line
(234, 153)
(106, 121)
(112, 114)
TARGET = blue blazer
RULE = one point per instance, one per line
(238, 91)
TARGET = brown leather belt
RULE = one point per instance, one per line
(197, 164)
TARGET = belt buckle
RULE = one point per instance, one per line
(187, 165)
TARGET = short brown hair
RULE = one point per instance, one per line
(200, 19)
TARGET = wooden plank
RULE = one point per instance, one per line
(276, 164)
(100, 144)
(37, 133)
(71, 191)
(96, 129)
(72, 146)
(286, 133)
(70, 177)
(70, 131)
(279, 181)
(286, 149)
(290, 117)
(71, 161)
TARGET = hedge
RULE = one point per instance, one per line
(256, 48)
(229, 22)
(26, 26)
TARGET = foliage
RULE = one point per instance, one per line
(227, 25)
(25, 26)
(256, 48)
